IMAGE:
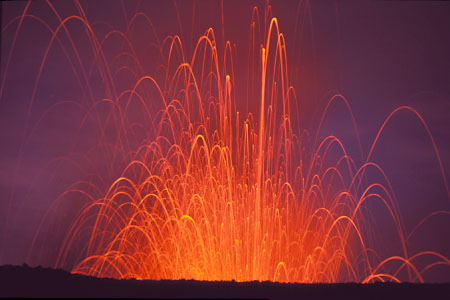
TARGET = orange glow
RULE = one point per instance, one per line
(221, 193)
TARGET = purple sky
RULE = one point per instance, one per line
(379, 54)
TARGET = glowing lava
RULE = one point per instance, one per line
(221, 193)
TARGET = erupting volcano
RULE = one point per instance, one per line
(188, 158)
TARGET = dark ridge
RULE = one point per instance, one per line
(25, 281)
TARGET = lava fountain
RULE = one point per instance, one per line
(201, 186)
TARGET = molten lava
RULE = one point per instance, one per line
(219, 192)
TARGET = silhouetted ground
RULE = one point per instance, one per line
(24, 281)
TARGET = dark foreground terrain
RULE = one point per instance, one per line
(24, 281)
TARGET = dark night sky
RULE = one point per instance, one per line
(379, 54)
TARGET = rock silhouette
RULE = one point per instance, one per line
(25, 281)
